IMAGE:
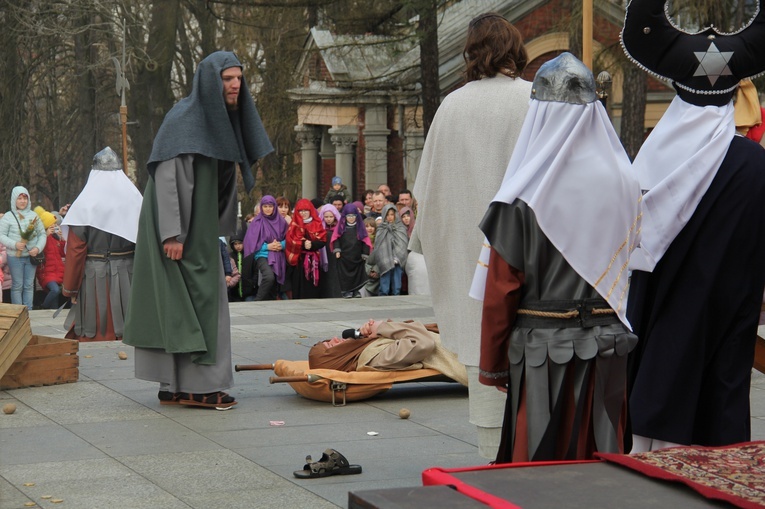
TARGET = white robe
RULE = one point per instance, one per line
(463, 162)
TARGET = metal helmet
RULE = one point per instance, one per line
(564, 79)
(107, 160)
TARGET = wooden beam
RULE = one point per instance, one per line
(587, 15)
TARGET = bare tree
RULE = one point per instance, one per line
(55, 105)
(633, 107)
(57, 99)
(151, 64)
(14, 81)
(427, 32)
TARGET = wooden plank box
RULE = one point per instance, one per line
(15, 333)
(44, 361)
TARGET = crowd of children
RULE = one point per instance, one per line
(322, 249)
(353, 249)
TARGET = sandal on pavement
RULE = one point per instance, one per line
(217, 400)
(330, 463)
(171, 398)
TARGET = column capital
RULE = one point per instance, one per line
(344, 137)
(309, 137)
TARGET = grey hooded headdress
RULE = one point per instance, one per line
(705, 67)
(201, 124)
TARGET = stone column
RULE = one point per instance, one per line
(309, 139)
(413, 143)
(376, 143)
(344, 138)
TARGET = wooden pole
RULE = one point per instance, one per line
(123, 120)
(296, 378)
(122, 87)
(587, 15)
(253, 367)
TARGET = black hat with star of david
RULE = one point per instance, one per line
(704, 67)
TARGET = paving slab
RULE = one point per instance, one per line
(105, 441)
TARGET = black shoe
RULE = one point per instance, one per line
(171, 398)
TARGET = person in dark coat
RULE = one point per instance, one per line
(351, 246)
(699, 271)
(329, 283)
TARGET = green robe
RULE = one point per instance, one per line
(174, 304)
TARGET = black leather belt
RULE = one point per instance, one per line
(109, 255)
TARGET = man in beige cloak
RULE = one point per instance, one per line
(465, 157)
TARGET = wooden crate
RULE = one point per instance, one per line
(15, 333)
(44, 361)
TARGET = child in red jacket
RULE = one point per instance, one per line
(50, 273)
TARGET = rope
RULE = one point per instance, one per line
(549, 314)
(564, 316)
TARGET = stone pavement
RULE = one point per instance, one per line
(106, 442)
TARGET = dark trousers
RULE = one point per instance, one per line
(267, 281)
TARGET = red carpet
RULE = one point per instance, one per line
(735, 474)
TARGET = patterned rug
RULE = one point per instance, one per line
(735, 474)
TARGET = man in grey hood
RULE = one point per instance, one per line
(178, 317)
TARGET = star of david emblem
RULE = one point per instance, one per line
(713, 63)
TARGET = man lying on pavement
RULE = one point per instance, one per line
(387, 346)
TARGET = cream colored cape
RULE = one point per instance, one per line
(464, 159)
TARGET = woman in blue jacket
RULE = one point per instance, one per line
(23, 235)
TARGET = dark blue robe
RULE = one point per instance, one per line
(696, 314)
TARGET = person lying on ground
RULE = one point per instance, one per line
(387, 346)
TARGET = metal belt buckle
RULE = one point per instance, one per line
(582, 308)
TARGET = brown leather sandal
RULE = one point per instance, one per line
(330, 463)
(217, 400)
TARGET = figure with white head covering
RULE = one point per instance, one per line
(561, 229)
(699, 271)
(100, 231)
(179, 319)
